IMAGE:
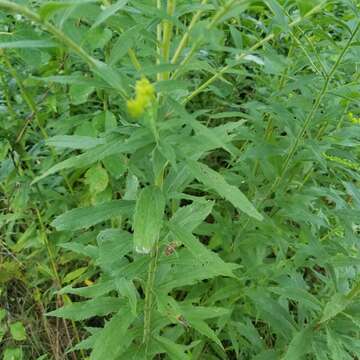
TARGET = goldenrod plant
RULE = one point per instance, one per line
(179, 179)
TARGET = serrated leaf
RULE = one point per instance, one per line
(114, 338)
(335, 306)
(215, 181)
(201, 253)
(85, 217)
(148, 218)
(100, 306)
(300, 345)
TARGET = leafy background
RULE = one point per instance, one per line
(242, 175)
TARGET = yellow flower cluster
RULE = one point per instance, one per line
(144, 95)
(354, 119)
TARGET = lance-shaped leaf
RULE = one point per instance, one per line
(215, 181)
(148, 218)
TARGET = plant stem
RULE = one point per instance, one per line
(167, 36)
(218, 15)
(186, 36)
(312, 113)
(158, 39)
(149, 298)
(242, 55)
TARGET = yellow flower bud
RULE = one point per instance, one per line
(144, 88)
(144, 95)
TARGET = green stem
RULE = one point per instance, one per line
(218, 15)
(313, 111)
(158, 40)
(185, 37)
(226, 68)
(167, 35)
(149, 298)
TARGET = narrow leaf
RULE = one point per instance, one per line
(84, 310)
(114, 339)
(215, 181)
(84, 217)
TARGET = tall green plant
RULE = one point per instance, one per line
(190, 166)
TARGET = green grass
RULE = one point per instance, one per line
(180, 180)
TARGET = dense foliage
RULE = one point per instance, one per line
(180, 179)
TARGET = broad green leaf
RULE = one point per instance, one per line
(115, 338)
(85, 217)
(97, 178)
(148, 218)
(215, 181)
(100, 306)
(74, 141)
(17, 331)
(79, 93)
(112, 241)
(13, 354)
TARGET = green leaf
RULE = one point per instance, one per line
(13, 354)
(100, 306)
(73, 275)
(191, 216)
(124, 42)
(306, 5)
(79, 93)
(300, 345)
(175, 351)
(110, 11)
(215, 181)
(17, 331)
(85, 217)
(115, 338)
(334, 307)
(49, 8)
(114, 146)
(127, 288)
(201, 253)
(2, 314)
(148, 218)
(97, 178)
(21, 44)
(74, 141)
